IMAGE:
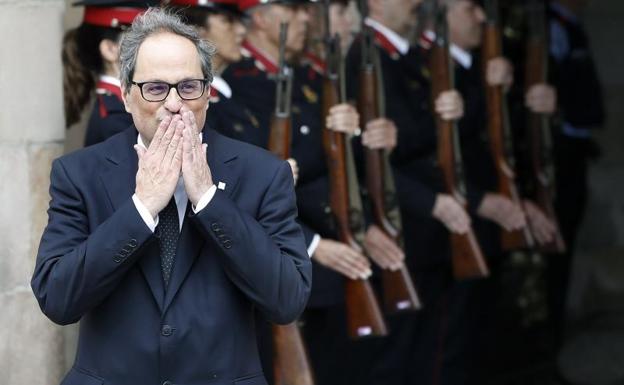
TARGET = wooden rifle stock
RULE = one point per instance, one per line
(399, 292)
(538, 125)
(291, 365)
(498, 131)
(364, 316)
(290, 358)
(468, 260)
(280, 136)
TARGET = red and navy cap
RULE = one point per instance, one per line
(230, 6)
(247, 4)
(112, 13)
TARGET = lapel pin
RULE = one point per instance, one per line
(221, 186)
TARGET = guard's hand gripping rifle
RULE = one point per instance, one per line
(468, 261)
(291, 365)
(538, 125)
(364, 316)
(499, 131)
(398, 288)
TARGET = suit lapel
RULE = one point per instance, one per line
(222, 162)
(119, 180)
(119, 175)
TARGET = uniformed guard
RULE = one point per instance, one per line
(412, 353)
(90, 62)
(252, 81)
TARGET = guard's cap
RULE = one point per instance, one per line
(113, 13)
(247, 4)
(230, 6)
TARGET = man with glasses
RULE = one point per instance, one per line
(164, 251)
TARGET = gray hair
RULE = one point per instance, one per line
(152, 22)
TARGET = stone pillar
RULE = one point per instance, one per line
(31, 135)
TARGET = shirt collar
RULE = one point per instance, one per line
(110, 80)
(219, 84)
(399, 42)
(460, 55)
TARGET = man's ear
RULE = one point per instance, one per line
(125, 96)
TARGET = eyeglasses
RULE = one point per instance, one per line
(190, 89)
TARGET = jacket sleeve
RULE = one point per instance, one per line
(78, 267)
(265, 256)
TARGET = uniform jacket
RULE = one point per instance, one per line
(253, 86)
(109, 116)
(98, 263)
(407, 95)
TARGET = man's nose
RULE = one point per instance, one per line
(173, 102)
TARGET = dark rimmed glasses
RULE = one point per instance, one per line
(189, 89)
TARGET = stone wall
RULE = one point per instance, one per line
(31, 135)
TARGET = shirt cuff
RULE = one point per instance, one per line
(313, 245)
(205, 199)
(145, 214)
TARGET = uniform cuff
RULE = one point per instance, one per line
(313, 245)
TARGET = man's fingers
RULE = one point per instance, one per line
(160, 132)
(187, 148)
(174, 143)
(176, 162)
(165, 141)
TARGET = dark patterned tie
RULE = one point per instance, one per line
(168, 233)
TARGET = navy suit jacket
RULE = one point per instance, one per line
(99, 263)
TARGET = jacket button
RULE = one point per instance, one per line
(215, 227)
(117, 258)
(167, 383)
(166, 330)
(133, 243)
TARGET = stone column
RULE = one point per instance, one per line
(31, 135)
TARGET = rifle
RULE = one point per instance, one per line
(291, 365)
(538, 125)
(363, 313)
(398, 288)
(468, 261)
(280, 132)
(499, 131)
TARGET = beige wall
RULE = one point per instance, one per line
(31, 135)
